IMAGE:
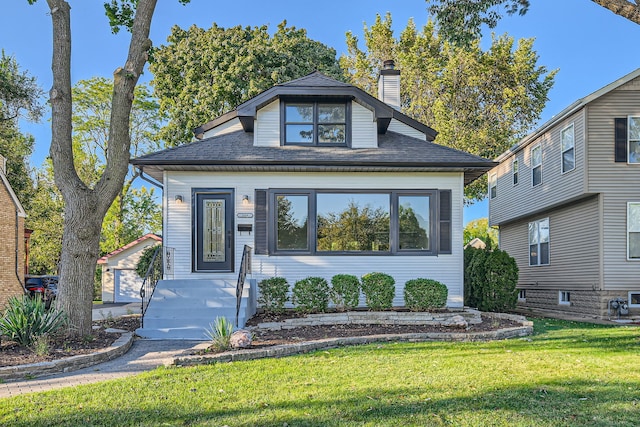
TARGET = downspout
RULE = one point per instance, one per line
(149, 180)
(17, 251)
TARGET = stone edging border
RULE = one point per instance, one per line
(308, 346)
(73, 363)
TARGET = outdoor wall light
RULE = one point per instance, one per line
(179, 198)
(245, 199)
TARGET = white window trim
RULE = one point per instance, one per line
(522, 295)
(629, 299)
(515, 171)
(529, 244)
(534, 166)
(564, 298)
(628, 208)
(573, 145)
(629, 141)
(493, 183)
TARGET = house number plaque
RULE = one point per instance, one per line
(244, 215)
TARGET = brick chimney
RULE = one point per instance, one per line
(389, 84)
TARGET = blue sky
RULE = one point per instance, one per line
(589, 45)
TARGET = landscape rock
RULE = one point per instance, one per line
(240, 339)
(456, 321)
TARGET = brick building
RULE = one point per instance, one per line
(12, 240)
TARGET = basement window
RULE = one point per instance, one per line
(634, 299)
(564, 298)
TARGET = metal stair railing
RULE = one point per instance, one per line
(245, 267)
(154, 273)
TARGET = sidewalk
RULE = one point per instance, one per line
(144, 355)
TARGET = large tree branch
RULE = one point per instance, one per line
(627, 9)
(124, 83)
(61, 150)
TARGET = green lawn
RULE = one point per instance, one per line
(566, 374)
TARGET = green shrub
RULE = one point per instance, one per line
(490, 280)
(220, 333)
(144, 262)
(26, 319)
(379, 290)
(425, 294)
(273, 294)
(345, 291)
(311, 295)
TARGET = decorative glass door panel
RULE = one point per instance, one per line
(214, 232)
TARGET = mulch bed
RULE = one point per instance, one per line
(60, 346)
(12, 354)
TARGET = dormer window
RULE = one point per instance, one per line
(315, 123)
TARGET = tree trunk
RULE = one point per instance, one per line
(85, 208)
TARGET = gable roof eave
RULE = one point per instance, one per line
(104, 259)
(566, 112)
(18, 205)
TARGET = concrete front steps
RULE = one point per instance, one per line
(185, 309)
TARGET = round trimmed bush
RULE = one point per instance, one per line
(345, 291)
(311, 295)
(273, 294)
(425, 294)
(379, 290)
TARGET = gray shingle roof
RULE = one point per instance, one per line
(236, 151)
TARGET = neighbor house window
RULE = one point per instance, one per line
(514, 170)
(353, 222)
(493, 178)
(633, 230)
(536, 165)
(315, 123)
(568, 149)
(634, 299)
(634, 139)
(564, 298)
(539, 242)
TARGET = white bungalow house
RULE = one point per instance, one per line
(318, 178)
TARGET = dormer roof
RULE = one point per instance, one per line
(316, 84)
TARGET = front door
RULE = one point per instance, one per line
(213, 239)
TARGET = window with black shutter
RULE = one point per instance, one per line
(261, 239)
(445, 222)
(621, 140)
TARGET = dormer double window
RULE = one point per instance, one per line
(315, 122)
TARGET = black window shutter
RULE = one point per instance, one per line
(261, 242)
(621, 139)
(445, 222)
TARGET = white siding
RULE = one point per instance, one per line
(444, 268)
(266, 130)
(399, 127)
(227, 127)
(364, 132)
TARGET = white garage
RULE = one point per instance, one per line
(120, 282)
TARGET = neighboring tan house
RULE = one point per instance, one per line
(12, 240)
(567, 201)
(120, 282)
(319, 178)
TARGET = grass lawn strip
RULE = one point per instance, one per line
(566, 374)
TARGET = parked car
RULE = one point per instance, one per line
(45, 287)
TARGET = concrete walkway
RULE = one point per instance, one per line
(144, 355)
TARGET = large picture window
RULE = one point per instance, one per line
(315, 123)
(567, 142)
(356, 222)
(633, 230)
(539, 242)
(634, 139)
